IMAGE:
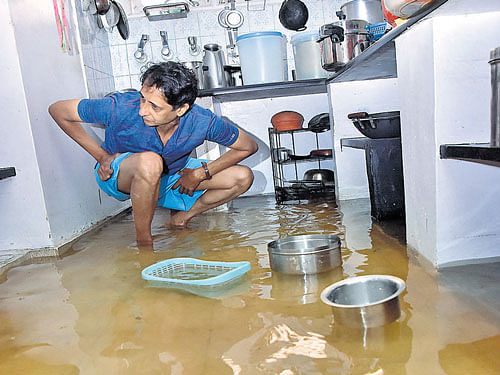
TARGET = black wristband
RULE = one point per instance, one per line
(207, 172)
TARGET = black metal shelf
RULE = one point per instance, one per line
(7, 172)
(287, 189)
(305, 160)
(475, 152)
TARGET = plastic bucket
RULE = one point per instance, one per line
(307, 55)
(262, 57)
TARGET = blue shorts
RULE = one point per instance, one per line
(167, 198)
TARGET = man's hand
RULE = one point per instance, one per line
(104, 171)
(189, 181)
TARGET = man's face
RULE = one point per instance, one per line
(155, 110)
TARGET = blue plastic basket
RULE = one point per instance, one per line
(377, 30)
(195, 272)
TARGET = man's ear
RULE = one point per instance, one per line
(182, 109)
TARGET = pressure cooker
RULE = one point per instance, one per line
(341, 41)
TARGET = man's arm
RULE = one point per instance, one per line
(242, 148)
(65, 114)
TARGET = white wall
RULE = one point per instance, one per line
(373, 96)
(452, 206)
(54, 198)
(23, 215)
(254, 116)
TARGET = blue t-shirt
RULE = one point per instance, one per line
(126, 132)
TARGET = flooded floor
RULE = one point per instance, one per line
(90, 312)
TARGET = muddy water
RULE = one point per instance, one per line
(91, 313)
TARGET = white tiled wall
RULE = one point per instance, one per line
(202, 23)
(96, 54)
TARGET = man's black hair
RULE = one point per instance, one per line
(177, 83)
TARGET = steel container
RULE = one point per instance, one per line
(495, 97)
(367, 10)
(197, 68)
(342, 41)
(365, 301)
(213, 67)
(303, 255)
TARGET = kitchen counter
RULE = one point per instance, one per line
(267, 90)
(376, 62)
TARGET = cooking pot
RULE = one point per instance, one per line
(365, 301)
(341, 41)
(293, 15)
(367, 10)
(307, 254)
(287, 120)
(326, 176)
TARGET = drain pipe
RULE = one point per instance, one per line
(495, 97)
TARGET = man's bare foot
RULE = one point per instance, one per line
(145, 248)
(178, 220)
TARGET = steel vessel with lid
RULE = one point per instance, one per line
(341, 41)
(366, 10)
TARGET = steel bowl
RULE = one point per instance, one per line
(304, 255)
(365, 301)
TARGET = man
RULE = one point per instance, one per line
(148, 139)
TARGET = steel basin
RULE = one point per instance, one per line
(304, 255)
(365, 301)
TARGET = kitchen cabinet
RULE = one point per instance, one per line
(289, 182)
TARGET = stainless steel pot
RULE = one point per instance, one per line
(365, 301)
(326, 176)
(342, 41)
(307, 254)
(367, 10)
(197, 68)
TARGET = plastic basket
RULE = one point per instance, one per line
(377, 30)
(195, 272)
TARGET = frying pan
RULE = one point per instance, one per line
(323, 152)
(122, 24)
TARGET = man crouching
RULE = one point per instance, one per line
(149, 136)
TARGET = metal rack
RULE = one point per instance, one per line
(288, 185)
